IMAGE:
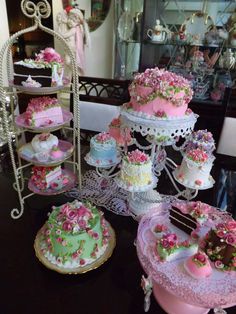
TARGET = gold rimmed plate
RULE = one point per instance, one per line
(80, 269)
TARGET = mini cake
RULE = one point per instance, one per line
(220, 245)
(201, 139)
(136, 169)
(43, 143)
(47, 70)
(198, 266)
(115, 131)
(159, 93)
(43, 111)
(188, 217)
(169, 248)
(195, 169)
(103, 150)
(46, 177)
(74, 235)
(56, 153)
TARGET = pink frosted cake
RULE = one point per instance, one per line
(47, 177)
(159, 93)
(43, 111)
(169, 248)
(195, 169)
(45, 71)
(115, 131)
(198, 266)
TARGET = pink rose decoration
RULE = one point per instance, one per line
(165, 243)
(75, 255)
(103, 137)
(49, 55)
(82, 224)
(67, 226)
(71, 214)
(197, 155)
(230, 239)
(137, 156)
(201, 257)
(231, 225)
(220, 233)
(82, 262)
(219, 264)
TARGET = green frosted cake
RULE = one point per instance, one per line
(75, 234)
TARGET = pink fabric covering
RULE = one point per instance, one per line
(79, 41)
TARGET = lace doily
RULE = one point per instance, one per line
(104, 192)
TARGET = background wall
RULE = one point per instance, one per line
(99, 57)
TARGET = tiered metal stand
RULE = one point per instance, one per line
(36, 12)
(159, 134)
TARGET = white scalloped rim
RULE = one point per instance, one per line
(144, 188)
(209, 184)
(103, 163)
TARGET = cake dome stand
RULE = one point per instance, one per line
(173, 288)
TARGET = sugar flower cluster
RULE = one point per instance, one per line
(170, 241)
(137, 157)
(197, 155)
(227, 232)
(199, 210)
(48, 55)
(103, 137)
(74, 218)
(165, 84)
(201, 139)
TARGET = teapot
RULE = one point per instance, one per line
(159, 33)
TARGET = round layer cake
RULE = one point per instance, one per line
(75, 234)
(103, 150)
(198, 266)
(159, 93)
(121, 138)
(195, 169)
(201, 139)
(43, 143)
(136, 169)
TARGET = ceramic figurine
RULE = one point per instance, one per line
(159, 34)
(227, 60)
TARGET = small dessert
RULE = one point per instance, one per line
(56, 153)
(136, 169)
(43, 111)
(47, 70)
(103, 150)
(47, 177)
(169, 248)
(122, 137)
(159, 230)
(198, 266)
(43, 143)
(201, 139)
(195, 169)
(220, 245)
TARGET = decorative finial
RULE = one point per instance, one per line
(40, 10)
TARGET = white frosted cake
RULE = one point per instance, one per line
(136, 169)
(43, 143)
(195, 169)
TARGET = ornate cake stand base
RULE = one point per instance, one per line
(80, 269)
(173, 305)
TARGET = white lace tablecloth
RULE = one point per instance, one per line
(219, 290)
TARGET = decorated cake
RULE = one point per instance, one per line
(189, 216)
(43, 143)
(136, 169)
(103, 150)
(45, 71)
(195, 169)
(43, 111)
(198, 266)
(44, 178)
(75, 235)
(121, 138)
(220, 245)
(201, 139)
(159, 93)
(170, 248)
